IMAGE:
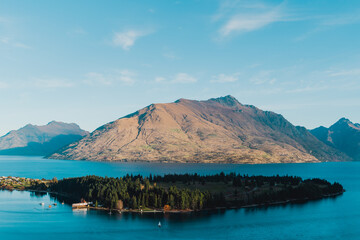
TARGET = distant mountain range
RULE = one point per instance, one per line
(343, 135)
(40, 140)
(219, 130)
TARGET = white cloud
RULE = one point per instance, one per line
(177, 78)
(128, 38)
(124, 76)
(184, 78)
(241, 23)
(225, 78)
(11, 42)
(160, 79)
(241, 16)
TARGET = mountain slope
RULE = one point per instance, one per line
(40, 140)
(216, 130)
(343, 135)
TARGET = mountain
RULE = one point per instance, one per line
(343, 135)
(40, 140)
(217, 130)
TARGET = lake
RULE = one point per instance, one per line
(22, 217)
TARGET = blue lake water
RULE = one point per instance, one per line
(21, 216)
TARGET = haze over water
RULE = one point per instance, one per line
(21, 216)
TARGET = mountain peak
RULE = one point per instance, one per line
(54, 122)
(344, 122)
(181, 100)
(227, 100)
(61, 124)
(343, 135)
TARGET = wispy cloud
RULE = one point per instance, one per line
(128, 38)
(124, 76)
(246, 16)
(94, 78)
(308, 89)
(263, 77)
(7, 38)
(327, 22)
(249, 22)
(51, 83)
(337, 20)
(160, 79)
(225, 78)
(342, 73)
(184, 78)
(177, 78)
(13, 43)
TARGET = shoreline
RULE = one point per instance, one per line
(182, 162)
(179, 211)
(70, 197)
(260, 205)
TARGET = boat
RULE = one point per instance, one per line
(62, 203)
(49, 206)
(42, 204)
(159, 225)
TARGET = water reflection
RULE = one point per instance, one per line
(37, 194)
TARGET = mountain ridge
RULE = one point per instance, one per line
(215, 130)
(343, 135)
(40, 140)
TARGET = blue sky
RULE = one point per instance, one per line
(91, 62)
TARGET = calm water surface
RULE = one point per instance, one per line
(21, 216)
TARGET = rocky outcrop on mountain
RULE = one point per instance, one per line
(343, 135)
(219, 130)
(40, 140)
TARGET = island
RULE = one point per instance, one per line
(179, 192)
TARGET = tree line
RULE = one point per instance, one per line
(137, 192)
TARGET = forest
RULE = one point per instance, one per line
(192, 191)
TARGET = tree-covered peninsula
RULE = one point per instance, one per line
(191, 191)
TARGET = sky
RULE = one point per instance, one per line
(91, 62)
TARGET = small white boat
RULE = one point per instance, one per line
(42, 204)
(159, 225)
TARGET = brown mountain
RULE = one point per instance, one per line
(40, 140)
(343, 135)
(216, 130)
